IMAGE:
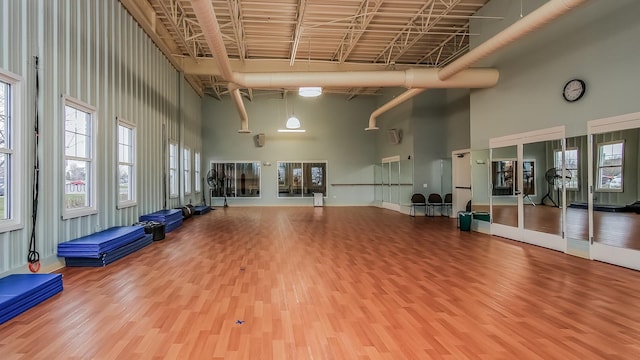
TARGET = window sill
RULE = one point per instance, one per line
(78, 213)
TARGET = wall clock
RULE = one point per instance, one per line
(573, 90)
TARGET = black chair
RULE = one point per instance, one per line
(447, 204)
(417, 199)
(433, 201)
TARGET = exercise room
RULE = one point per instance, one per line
(319, 179)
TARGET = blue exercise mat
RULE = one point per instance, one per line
(201, 209)
(164, 216)
(20, 292)
(172, 225)
(109, 257)
(104, 241)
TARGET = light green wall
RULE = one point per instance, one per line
(596, 42)
(334, 133)
(95, 52)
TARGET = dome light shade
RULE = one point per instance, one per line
(293, 123)
(310, 91)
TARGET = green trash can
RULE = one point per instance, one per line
(465, 221)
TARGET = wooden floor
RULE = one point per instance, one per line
(334, 283)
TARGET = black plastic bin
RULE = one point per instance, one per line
(153, 227)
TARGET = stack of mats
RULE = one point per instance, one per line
(104, 247)
(201, 209)
(172, 218)
(21, 292)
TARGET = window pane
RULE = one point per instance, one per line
(4, 186)
(610, 158)
(125, 192)
(76, 180)
(5, 101)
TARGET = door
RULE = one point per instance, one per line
(461, 180)
(614, 190)
(527, 194)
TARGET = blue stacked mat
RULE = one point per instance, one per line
(20, 292)
(94, 245)
(109, 257)
(172, 218)
(201, 209)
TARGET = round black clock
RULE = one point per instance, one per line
(573, 90)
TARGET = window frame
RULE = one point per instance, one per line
(197, 171)
(575, 170)
(174, 188)
(133, 201)
(599, 167)
(186, 170)
(91, 184)
(14, 150)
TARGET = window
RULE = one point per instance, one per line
(186, 153)
(126, 164)
(302, 179)
(610, 163)
(9, 152)
(197, 172)
(173, 169)
(235, 179)
(79, 161)
(571, 166)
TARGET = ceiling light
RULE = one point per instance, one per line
(291, 130)
(310, 91)
(293, 123)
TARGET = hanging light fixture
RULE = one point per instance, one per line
(310, 91)
(293, 123)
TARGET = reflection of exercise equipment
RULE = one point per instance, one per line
(216, 185)
(550, 176)
(525, 193)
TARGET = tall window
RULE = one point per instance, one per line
(79, 161)
(126, 163)
(610, 163)
(9, 152)
(571, 166)
(173, 170)
(186, 152)
(197, 172)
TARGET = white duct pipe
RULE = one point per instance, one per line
(244, 118)
(391, 104)
(411, 78)
(535, 20)
(538, 18)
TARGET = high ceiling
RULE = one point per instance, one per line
(309, 35)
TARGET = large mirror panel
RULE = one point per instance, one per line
(541, 186)
(504, 189)
(576, 182)
(616, 207)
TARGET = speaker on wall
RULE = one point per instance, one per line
(394, 136)
(259, 138)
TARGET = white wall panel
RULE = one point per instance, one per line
(95, 52)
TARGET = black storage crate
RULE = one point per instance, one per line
(153, 227)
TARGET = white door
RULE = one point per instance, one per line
(461, 176)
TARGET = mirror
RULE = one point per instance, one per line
(235, 179)
(504, 192)
(577, 188)
(615, 178)
(480, 180)
(541, 188)
(301, 179)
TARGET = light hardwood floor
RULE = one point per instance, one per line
(334, 283)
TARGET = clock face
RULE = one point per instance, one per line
(573, 90)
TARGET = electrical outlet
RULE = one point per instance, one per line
(424, 186)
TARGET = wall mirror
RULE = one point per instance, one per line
(234, 179)
(301, 179)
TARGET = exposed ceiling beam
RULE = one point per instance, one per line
(236, 22)
(454, 41)
(366, 12)
(182, 27)
(302, 4)
(419, 26)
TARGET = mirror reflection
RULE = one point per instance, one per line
(542, 208)
(615, 178)
(504, 202)
(576, 184)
